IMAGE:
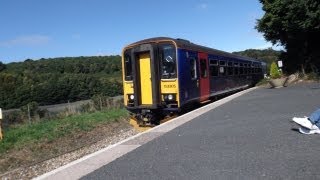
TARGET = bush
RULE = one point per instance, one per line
(13, 117)
(313, 76)
(88, 108)
(274, 71)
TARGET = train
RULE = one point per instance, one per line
(162, 76)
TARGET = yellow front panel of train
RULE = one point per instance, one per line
(170, 87)
(127, 89)
(145, 79)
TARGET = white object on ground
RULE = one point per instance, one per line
(305, 122)
(304, 130)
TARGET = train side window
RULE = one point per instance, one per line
(127, 67)
(222, 68)
(257, 69)
(193, 68)
(245, 69)
(236, 68)
(213, 62)
(214, 70)
(168, 61)
(203, 68)
(260, 69)
(222, 63)
(222, 71)
(230, 68)
(252, 69)
(241, 69)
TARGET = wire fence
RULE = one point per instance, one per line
(31, 112)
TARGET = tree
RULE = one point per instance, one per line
(2, 66)
(59, 80)
(295, 24)
(274, 71)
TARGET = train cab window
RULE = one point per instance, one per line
(193, 68)
(168, 61)
(203, 68)
(127, 66)
(230, 68)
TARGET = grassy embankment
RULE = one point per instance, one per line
(34, 134)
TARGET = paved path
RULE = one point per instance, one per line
(249, 137)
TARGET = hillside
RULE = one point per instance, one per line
(59, 80)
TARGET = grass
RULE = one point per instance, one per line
(49, 130)
(313, 76)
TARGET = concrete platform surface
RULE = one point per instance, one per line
(247, 136)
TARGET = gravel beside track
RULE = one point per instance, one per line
(51, 164)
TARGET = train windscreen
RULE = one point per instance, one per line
(168, 61)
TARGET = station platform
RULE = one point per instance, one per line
(248, 135)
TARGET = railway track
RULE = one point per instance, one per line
(137, 127)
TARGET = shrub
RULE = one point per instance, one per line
(88, 108)
(30, 109)
(274, 71)
(13, 117)
(313, 76)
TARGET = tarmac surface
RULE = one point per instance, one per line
(248, 137)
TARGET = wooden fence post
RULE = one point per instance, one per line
(1, 136)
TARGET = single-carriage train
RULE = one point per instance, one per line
(161, 76)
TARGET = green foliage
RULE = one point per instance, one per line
(31, 108)
(2, 66)
(313, 76)
(295, 25)
(49, 130)
(59, 80)
(14, 117)
(262, 82)
(274, 71)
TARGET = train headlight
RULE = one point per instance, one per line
(131, 97)
(169, 97)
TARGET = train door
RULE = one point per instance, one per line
(191, 85)
(204, 77)
(145, 78)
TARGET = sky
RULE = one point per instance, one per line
(34, 29)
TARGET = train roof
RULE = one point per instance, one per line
(186, 44)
